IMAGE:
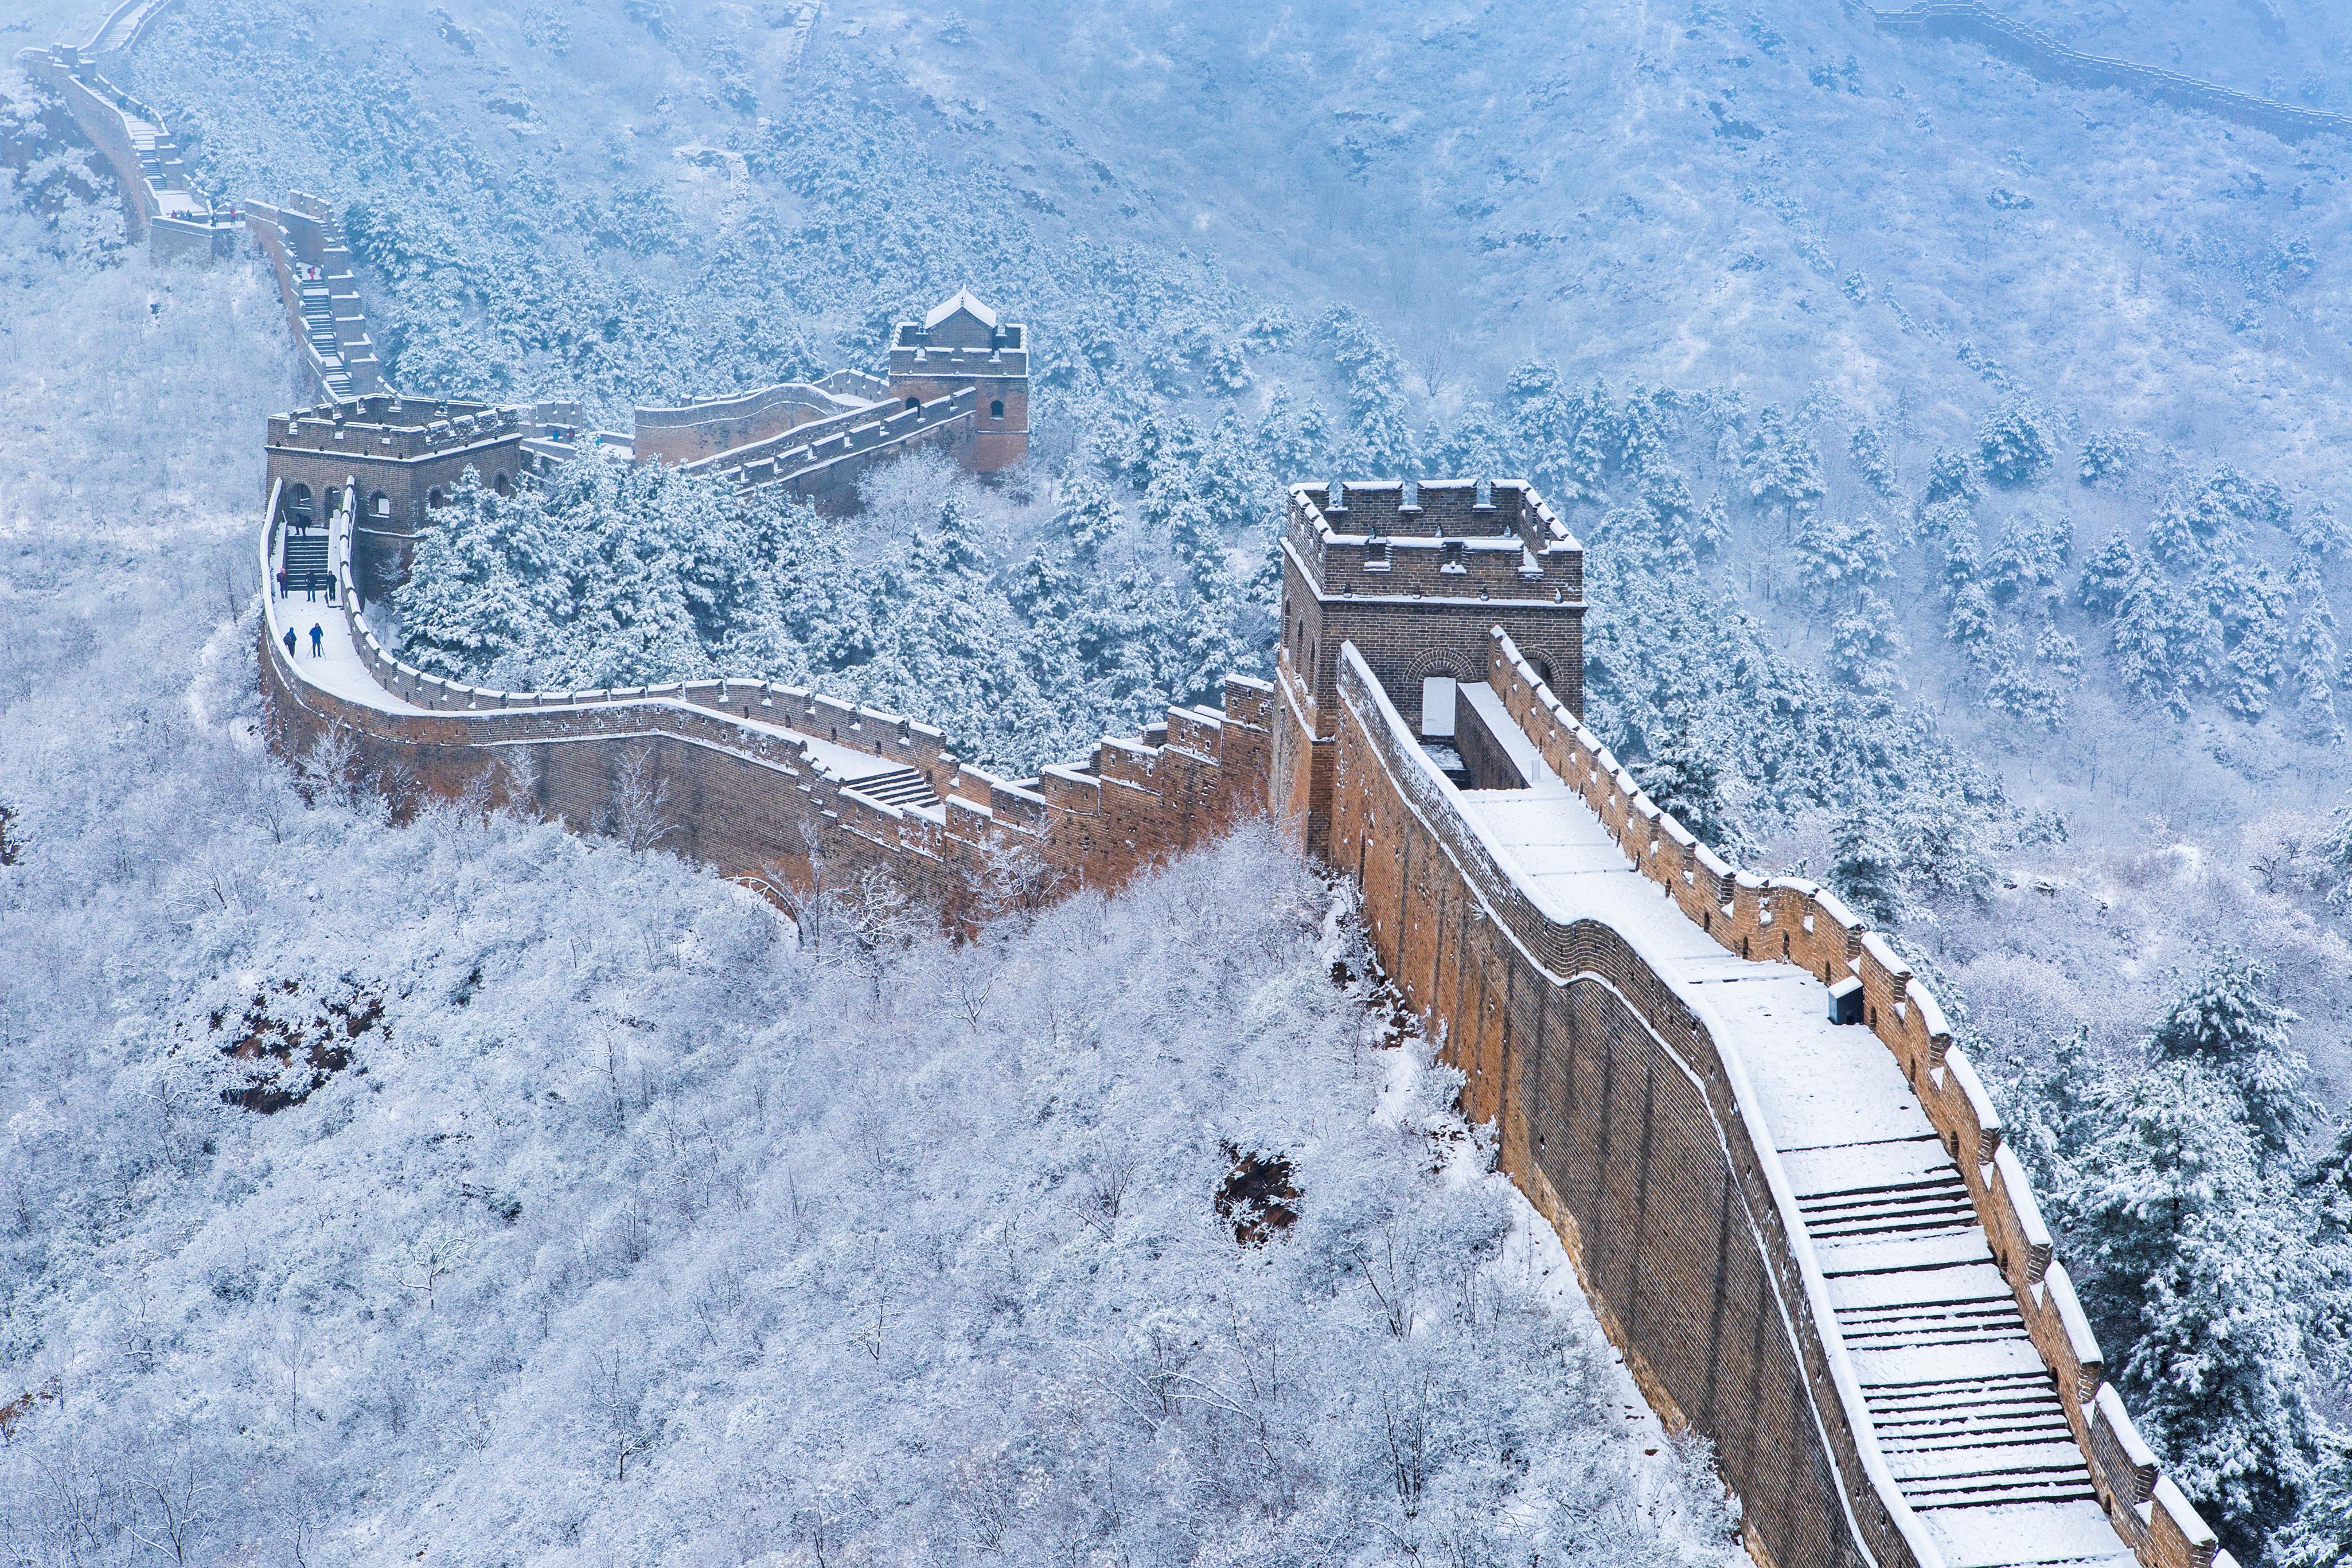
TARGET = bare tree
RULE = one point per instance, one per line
(170, 1504)
(804, 902)
(332, 761)
(616, 1397)
(1015, 875)
(640, 815)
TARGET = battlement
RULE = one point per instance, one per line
(708, 428)
(924, 361)
(1436, 539)
(396, 429)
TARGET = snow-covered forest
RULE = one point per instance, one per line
(464, 1190)
(1957, 455)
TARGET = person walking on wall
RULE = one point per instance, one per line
(290, 642)
(331, 587)
(281, 581)
(318, 639)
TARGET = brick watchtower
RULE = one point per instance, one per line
(961, 343)
(1415, 573)
(400, 456)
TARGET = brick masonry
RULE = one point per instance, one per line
(743, 799)
(1617, 1119)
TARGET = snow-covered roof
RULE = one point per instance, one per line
(961, 299)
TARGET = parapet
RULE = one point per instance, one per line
(959, 336)
(710, 427)
(1435, 539)
(395, 428)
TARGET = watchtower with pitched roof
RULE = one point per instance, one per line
(961, 343)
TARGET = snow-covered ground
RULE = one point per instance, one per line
(462, 1191)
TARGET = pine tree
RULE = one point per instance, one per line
(2108, 575)
(1864, 644)
(2166, 646)
(1950, 477)
(2316, 660)
(1869, 453)
(2230, 1021)
(1783, 467)
(953, 546)
(2107, 456)
(2011, 444)
(2199, 1279)
(1867, 872)
(2173, 537)
(1972, 622)
(1841, 557)
(2319, 534)
(2320, 1534)
(1085, 515)
(1683, 778)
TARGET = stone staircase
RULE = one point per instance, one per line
(1964, 1409)
(318, 326)
(908, 788)
(122, 28)
(305, 550)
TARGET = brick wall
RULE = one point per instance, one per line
(745, 802)
(1476, 956)
(1619, 1122)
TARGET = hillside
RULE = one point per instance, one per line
(1957, 450)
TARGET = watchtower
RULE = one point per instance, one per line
(400, 457)
(1415, 573)
(961, 343)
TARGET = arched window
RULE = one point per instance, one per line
(501, 484)
(914, 403)
(299, 503)
(996, 408)
(434, 497)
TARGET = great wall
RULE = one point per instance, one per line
(1781, 1184)
(2046, 58)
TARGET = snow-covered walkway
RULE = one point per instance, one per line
(337, 670)
(1963, 1408)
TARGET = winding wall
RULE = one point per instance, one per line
(769, 785)
(2045, 57)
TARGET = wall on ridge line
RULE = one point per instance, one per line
(1794, 921)
(2045, 57)
(721, 424)
(744, 801)
(1620, 1123)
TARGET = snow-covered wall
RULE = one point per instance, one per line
(1489, 963)
(728, 768)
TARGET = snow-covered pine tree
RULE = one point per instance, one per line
(2013, 444)
(1864, 644)
(1840, 557)
(2199, 1277)
(2108, 575)
(1867, 871)
(1682, 777)
(1950, 477)
(1868, 451)
(2230, 1021)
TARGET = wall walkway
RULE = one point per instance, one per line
(1807, 1236)
(775, 785)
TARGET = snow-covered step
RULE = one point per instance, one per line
(896, 786)
(2027, 1535)
(306, 551)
